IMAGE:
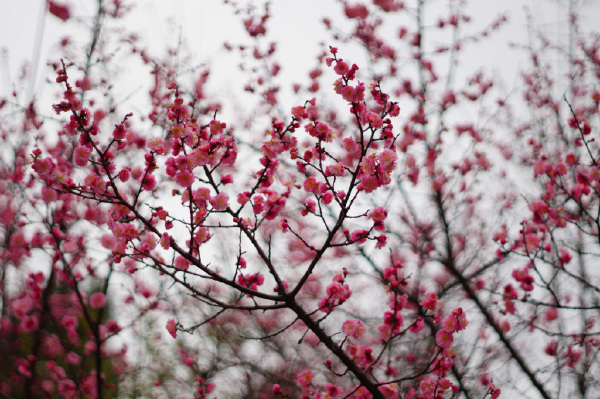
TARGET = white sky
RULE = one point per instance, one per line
(296, 24)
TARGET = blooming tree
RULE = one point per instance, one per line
(373, 240)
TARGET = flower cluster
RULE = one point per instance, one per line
(336, 293)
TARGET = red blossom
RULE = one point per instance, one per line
(59, 10)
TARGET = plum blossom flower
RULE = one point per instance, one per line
(108, 241)
(220, 201)
(73, 358)
(165, 241)
(374, 120)
(251, 281)
(172, 328)
(379, 214)
(81, 155)
(381, 241)
(157, 145)
(181, 263)
(29, 323)
(431, 301)
(417, 326)
(310, 184)
(184, 178)
(341, 68)
(449, 323)
(444, 338)
(335, 170)
(125, 174)
(299, 113)
(97, 300)
(119, 132)
(305, 378)
(59, 10)
(354, 328)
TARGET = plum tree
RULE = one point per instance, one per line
(409, 233)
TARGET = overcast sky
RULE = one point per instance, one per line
(206, 24)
